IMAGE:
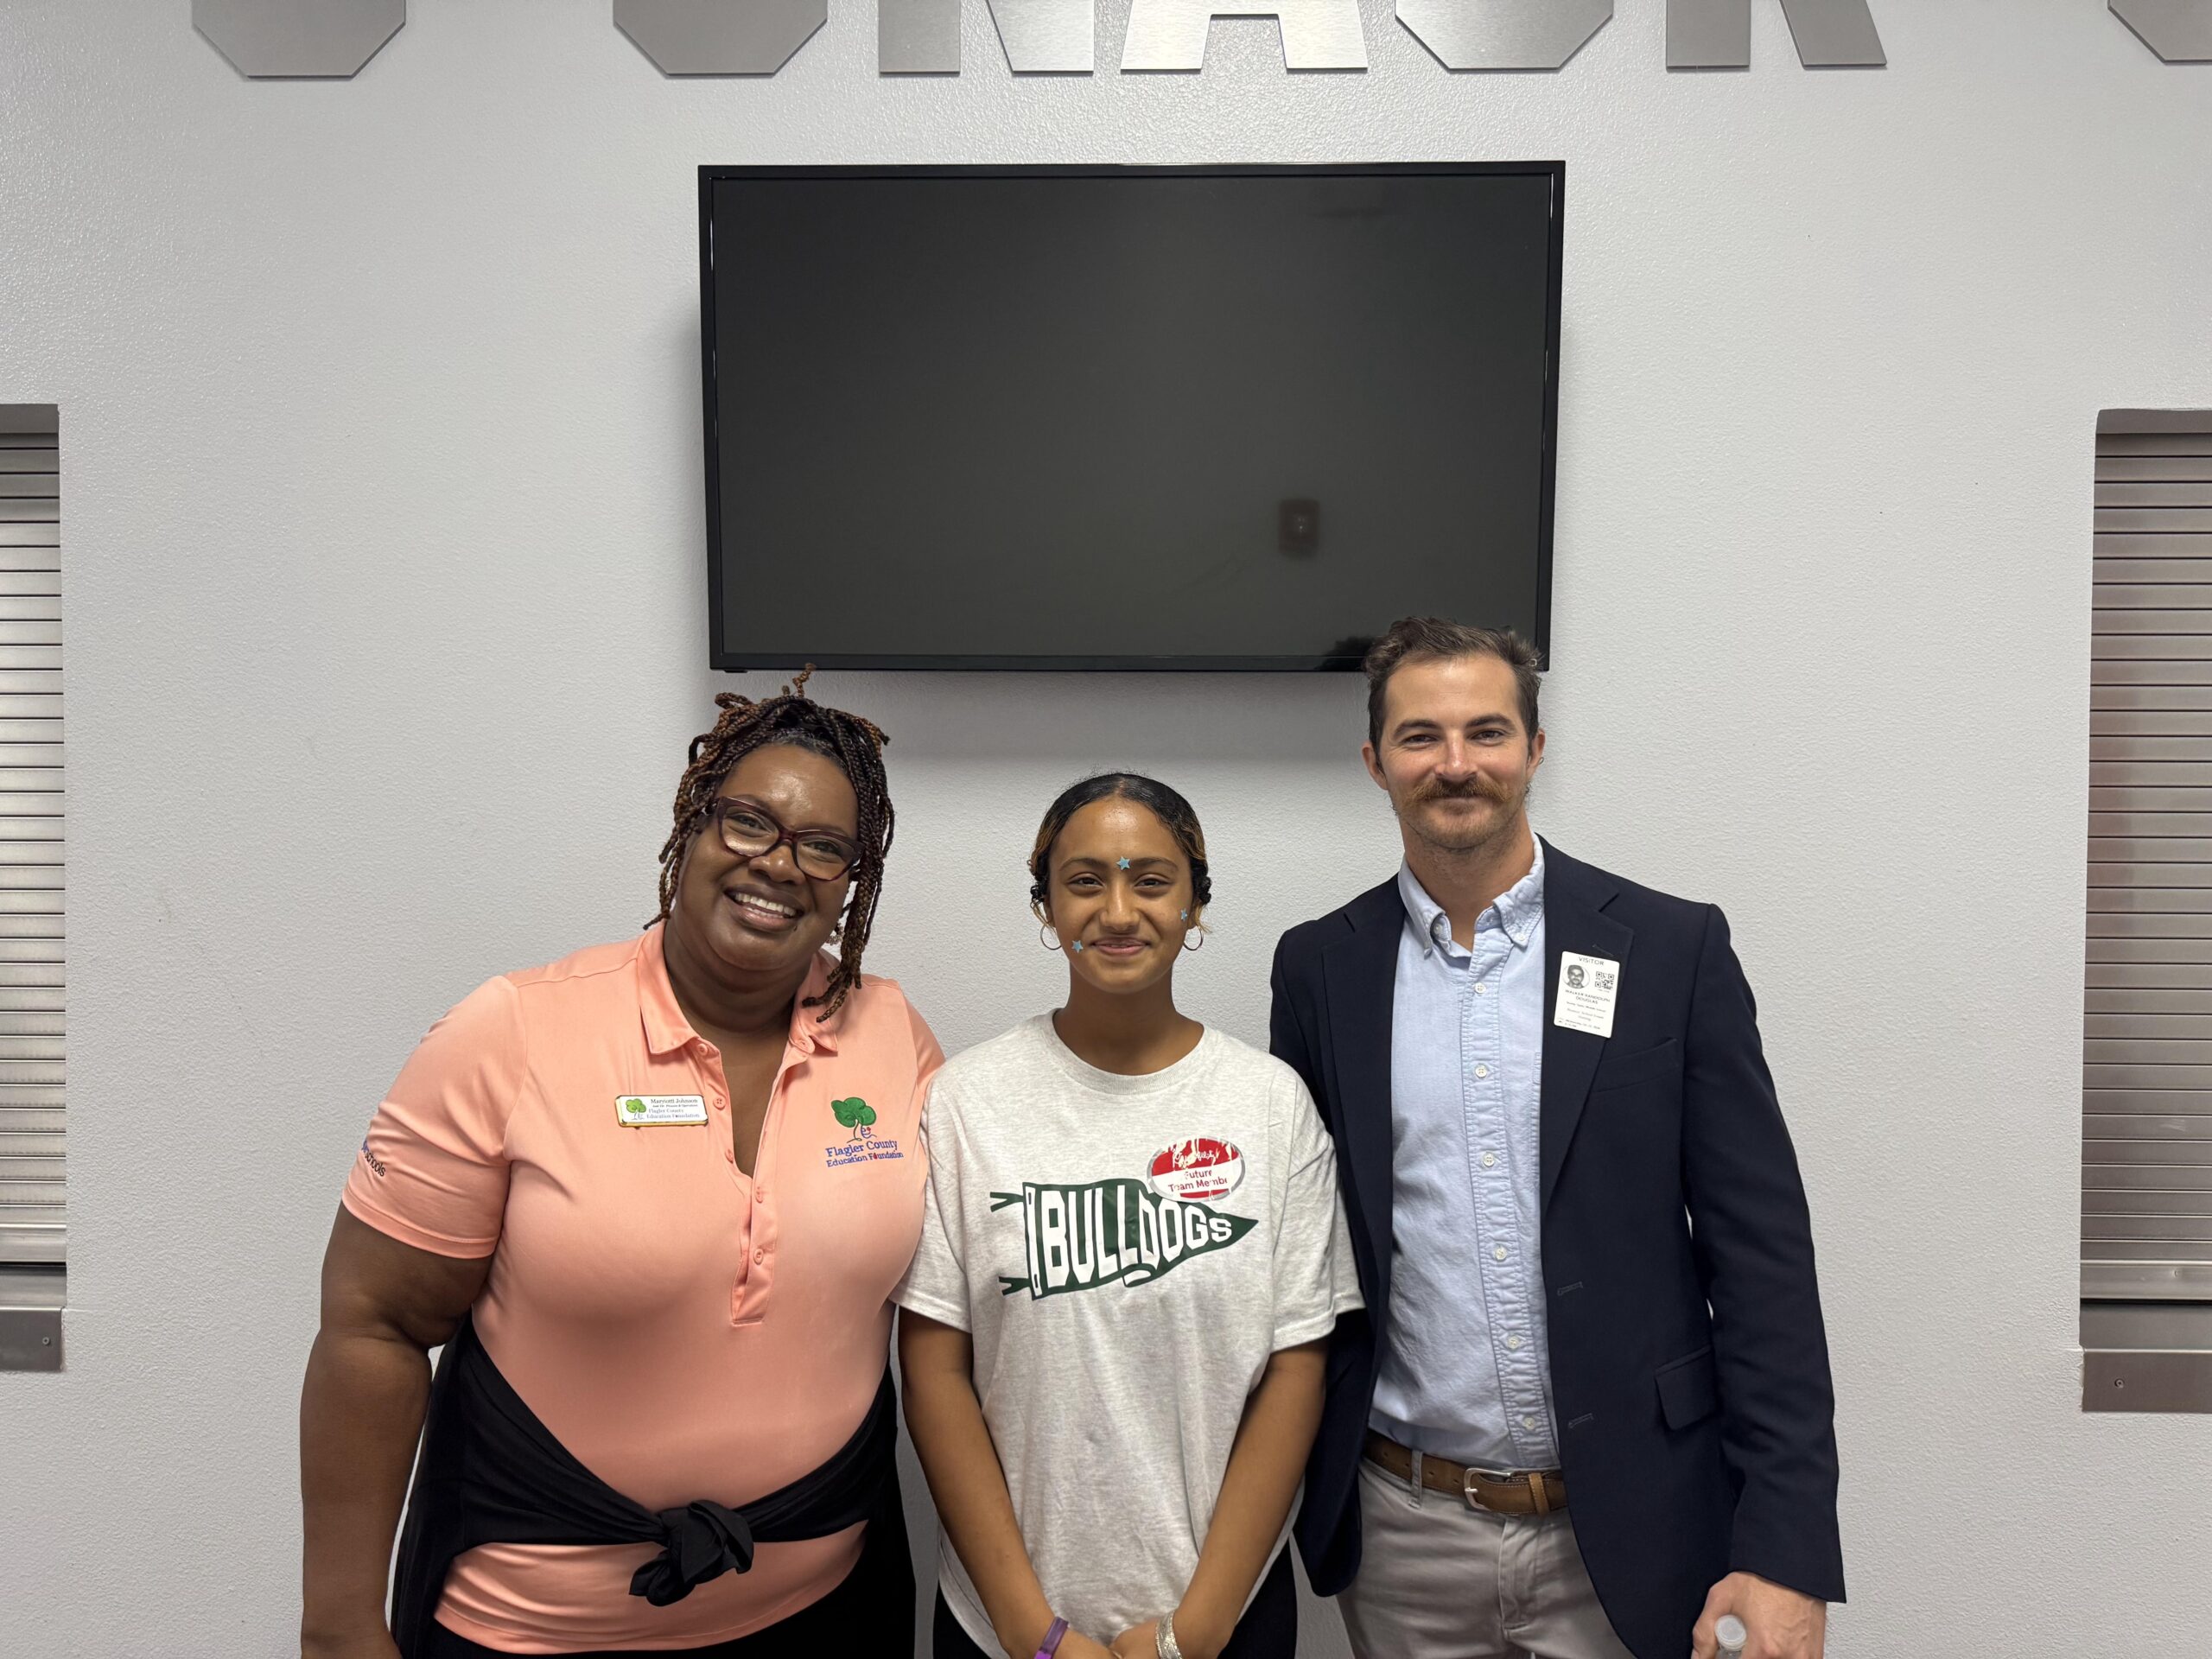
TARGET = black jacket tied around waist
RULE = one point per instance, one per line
(490, 1473)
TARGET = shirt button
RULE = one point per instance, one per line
(760, 1255)
(1527, 1422)
(1482, 1070)
(1489, 1158)
(1513, 1342)
(1499, 1252)
(730, 1154)
(721, 1105)
(1480, 987)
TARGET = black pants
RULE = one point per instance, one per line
(871, 1613)
(1267, 1631)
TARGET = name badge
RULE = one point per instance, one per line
(1587, 988)
(658, 1111)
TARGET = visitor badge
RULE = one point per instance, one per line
(1588, 988)
(658, 1111)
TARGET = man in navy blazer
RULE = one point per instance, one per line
(1588, 1411)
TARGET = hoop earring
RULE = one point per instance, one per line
(1053, 943)
(1194, 934)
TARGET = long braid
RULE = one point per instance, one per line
(855, 744)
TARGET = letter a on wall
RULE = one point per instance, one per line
(2179, 31)
(271, 39)
(1503, 34)
(1717, 34)
(720, 37)
(1171, 34)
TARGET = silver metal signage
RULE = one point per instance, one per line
(1041, 37)
(285, 39)
(1717, 34)
(715, 37)
(1503, 34)
(1171, 34)
(2179, 31)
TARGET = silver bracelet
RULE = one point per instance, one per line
(1163, 1638)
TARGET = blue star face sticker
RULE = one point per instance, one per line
(1125, 863)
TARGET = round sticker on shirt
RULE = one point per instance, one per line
(1198, 1169)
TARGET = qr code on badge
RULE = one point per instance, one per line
(1606, 981)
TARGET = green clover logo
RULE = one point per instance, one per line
(854, 1114)
(633, 1108)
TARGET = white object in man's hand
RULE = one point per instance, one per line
(1779, 1623)
(1729, 1631)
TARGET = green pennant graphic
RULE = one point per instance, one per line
(1108, 1232)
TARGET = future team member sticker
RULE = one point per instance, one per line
(1199, 1169)
(658, 1111)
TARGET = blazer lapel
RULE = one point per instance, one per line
(1575, 899)
(1359, 973)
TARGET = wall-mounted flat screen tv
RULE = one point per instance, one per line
(1094, 417)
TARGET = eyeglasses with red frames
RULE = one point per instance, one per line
(751, 831)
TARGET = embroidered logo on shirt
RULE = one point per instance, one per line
(1198, 1167)
(1083, 1237)
(859, 1116)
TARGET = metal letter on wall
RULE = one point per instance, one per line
(1717, 34)
(268, 40)
(1503, 34)
(2179, 31)
(720, 37)
(1046, 37)
(1041, 37)
(1171, 34)
(918, 37)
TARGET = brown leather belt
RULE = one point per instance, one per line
(1500, 1491)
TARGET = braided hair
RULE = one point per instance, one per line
(792, 718)
(1166, 804)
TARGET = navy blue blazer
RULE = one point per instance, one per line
(1688, 1361)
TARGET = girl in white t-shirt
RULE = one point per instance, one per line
(1132, 1256)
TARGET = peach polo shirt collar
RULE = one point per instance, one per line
(667, 1031)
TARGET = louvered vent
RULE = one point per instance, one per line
(31, 975)
(2147, 1050)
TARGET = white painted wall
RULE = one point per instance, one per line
(386, 624)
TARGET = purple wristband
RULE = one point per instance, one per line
(1051, 1645)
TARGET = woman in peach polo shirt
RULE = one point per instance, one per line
(654, 1198)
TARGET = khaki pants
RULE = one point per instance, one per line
(1441, 1581)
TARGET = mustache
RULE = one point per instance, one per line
(1476, 788)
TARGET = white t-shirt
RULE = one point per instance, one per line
(1125, 1253)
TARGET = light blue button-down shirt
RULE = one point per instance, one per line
(1466, 1371)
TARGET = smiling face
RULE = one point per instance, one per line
(1454, 754)
(1119, 887)
(742, 920)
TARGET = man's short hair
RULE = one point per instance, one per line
(1431, 638)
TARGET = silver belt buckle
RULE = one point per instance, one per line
(1503, 1476)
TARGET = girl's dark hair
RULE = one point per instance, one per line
(1163, 802)
(791, 719)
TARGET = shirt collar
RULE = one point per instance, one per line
(1515, 911)
(667, 1030)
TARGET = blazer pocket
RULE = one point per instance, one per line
(1621, 1071)
(1689, 1389)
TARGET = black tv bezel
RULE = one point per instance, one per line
(721, 657)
